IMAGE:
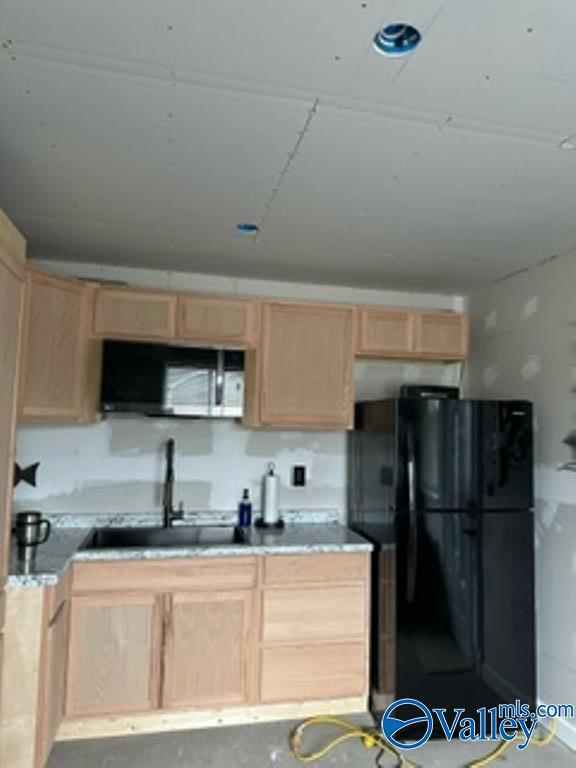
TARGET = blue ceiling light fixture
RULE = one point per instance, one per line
(247, 229)
(396, 39)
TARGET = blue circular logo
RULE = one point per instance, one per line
(392, 725)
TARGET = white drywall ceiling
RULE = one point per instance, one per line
(139, 133)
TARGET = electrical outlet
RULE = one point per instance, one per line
(299, 476)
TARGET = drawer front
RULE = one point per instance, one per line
(314, 614)
(315, 569)
(318, 672)
(165, 575)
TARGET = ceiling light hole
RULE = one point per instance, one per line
(397, 39)
(247, 228)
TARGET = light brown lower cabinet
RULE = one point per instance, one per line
(208, 649)
(51, 706)
(154, 643)
(113, 654)
(33, 673)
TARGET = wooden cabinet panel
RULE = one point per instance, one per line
(12, 247)
(306, 359)
(165, 575)
(53, 680)
(442, 335)
(55, 370)
(114, 654)
(313, 614)
(385, 332)
(297, 673)
(217, 320)
(208, 651)
(315, 569)
(134, 314)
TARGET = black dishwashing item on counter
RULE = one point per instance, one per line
(245, 510)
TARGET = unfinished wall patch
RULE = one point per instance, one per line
(490, 375)
(531, 367)
(491, 321)
(530, 308)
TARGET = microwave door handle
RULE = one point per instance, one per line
(219, 393)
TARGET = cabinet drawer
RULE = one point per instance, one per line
(314, 614)
(164, 575)
(134, 314)
(315, 569)
(317, 672)
(213, 320)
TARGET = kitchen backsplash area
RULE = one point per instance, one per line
(116, 466)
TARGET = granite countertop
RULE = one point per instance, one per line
(315, 533)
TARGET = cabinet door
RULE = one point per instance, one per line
(442, 335)
(307, 358)
(52, 683)
(54, 373)
(208, 654)
(113, 659)
(11, 315)
(214, 320)
(385, 332)
(134, 314)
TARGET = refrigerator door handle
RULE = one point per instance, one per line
(412, 545)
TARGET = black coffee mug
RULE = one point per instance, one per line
(29, 529)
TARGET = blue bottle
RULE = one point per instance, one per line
(245, 510)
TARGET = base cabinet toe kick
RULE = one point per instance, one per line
(144, 647)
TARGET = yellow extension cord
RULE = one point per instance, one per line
(372, 739)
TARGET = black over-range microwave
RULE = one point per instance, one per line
(165, 380)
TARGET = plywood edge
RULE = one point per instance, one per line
(12, 242)
(159, 722)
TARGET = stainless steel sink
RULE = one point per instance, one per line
(181, 536)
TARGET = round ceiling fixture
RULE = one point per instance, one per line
(247, 228)
(397, 39)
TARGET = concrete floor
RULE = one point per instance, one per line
(266, 746)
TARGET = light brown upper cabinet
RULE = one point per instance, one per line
(303, 375)
(442, 335)
(134, 314)
(12, 256)
(217, 320)
(385, 332)
(60, 371)
(412, 334)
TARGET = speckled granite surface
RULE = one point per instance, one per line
(64, 545)
(49, 561)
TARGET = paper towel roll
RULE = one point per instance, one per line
(270, 513)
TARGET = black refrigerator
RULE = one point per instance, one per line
(443, 487)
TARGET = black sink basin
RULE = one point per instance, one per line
(181, 536)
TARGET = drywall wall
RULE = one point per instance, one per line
(116, 466)
(523, 345)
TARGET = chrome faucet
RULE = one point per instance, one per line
(168, 511)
